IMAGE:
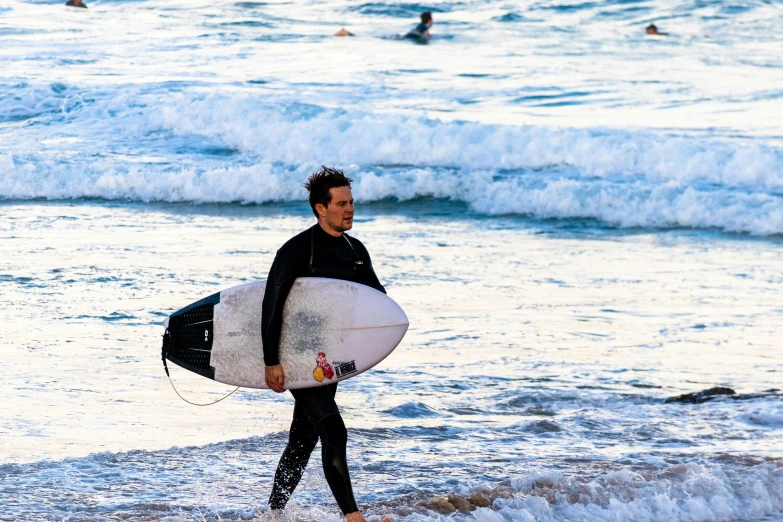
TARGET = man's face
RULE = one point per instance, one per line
(339, 214)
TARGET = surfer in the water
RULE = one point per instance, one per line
(652, 30)
(76, 3)
(324, 250)
(422, 31)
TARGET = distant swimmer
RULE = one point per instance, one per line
(422, 31)
(76, 3)
(343, 32)
(652, 30)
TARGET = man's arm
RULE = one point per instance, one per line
(285, 269)
(281, 278)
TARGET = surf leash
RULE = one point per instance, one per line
(166, 340)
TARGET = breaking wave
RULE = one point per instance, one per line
(237, 149)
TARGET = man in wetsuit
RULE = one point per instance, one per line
(422, 31)
(323, 250)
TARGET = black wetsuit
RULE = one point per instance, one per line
(418, 32)
(312, 253)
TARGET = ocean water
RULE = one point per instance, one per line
(581, 222)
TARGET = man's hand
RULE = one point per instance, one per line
(274, 378)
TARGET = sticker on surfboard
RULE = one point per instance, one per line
(323, 369)
(345, 368)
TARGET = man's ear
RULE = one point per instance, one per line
(321, 209)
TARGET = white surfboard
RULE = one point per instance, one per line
(332, 330)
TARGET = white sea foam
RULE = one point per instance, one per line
(302, 133)
(678, 492)
(621, 178)
(768, 415)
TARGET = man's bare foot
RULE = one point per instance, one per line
(357, 517)
(273, 515)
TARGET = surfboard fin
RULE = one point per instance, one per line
(164, 350)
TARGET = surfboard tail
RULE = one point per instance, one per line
(187, 341)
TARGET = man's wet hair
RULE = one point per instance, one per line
(319, 183)
(426, 16)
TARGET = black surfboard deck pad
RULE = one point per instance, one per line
(188, 340)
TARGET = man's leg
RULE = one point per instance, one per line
(302, 439)
(320, 407)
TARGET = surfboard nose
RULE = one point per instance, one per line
(396, 315)
(377, 310)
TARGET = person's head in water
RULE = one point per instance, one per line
(331, 200)
(343, 32)
(75, 3)
(651, 29)
(426, 18)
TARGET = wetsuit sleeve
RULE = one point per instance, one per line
(366, 275)
(285, 269)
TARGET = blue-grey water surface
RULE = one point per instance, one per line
(580, 221)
